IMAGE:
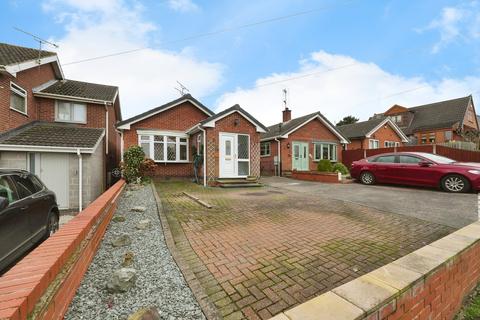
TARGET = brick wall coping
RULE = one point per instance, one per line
(42, 284)
(329, 177)
(378, 294)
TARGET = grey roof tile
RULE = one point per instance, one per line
(48, 134)
(80, 89)
(359, 129)
(234, 108)
(11, 54)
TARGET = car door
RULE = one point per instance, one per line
(383, 168)
(14, 228)
(33, 207)
(410, 172)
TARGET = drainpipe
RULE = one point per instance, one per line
(279, 157)
(204, 156)
(106, 128)
(80, 182)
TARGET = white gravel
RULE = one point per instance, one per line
(159, 283)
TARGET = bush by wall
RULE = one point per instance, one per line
(325, 165)
(132, 163)
(340, 167)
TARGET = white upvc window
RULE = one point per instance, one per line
(391, 144)
(68, 111)
(264, 149)
(18, 98)
(164, 147)
(324, 150)
(373, 144)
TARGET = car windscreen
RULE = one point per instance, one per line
(438, 159)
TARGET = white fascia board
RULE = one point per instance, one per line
(69, 98)
(126, 126)
(180, 134)
(13, 69)
(44, 86)
(193, 129)
(211, 124)
(392, 125)
(333, 130)
(8, 147)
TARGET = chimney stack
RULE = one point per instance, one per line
(287, 114)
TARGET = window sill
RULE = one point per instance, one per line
(325, 159)
(75, 122)
(166, 162)
(23, 113)
(265, 155)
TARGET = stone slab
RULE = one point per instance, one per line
(396, 276)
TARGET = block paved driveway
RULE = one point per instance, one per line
(260, 251)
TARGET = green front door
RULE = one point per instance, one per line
(300, 156)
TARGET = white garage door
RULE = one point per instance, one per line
(54, 173)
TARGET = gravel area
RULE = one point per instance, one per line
(159, 283)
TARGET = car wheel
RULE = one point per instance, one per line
(455, 183)
(53, 224)
(367, 177)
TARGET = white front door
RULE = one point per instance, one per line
(234, 155)
(54, 173)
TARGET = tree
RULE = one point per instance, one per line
(347, 120)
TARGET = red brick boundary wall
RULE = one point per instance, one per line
(429, 283)
(42, 285)
(316, 176)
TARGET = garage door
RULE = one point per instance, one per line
(54, 173)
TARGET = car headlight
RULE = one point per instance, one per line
(474, 171)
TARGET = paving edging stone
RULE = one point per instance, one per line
(209, 310)
(426, 283)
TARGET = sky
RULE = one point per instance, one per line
(350, 57)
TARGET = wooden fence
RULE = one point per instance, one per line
(348, 156)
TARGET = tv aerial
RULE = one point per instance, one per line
(40, 41)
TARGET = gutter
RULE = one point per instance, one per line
(69, 98)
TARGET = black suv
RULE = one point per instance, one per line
(28, 214)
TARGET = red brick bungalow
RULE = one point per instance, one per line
(174, 133)
(301, 142)
(373, 134)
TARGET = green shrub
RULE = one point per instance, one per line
(133, 159)
(340, 167)
(325, 166)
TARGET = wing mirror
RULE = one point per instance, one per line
(3, 203)
(425, 163)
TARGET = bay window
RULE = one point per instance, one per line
(324, 150)
(164, 147)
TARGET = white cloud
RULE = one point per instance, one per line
(147, 77)
(353, 88)
(456, 22)
(183, 5)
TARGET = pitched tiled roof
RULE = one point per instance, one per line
(156, 110)
(359, 129)
(234, 108)
(10, 54)
(46, 134)
(443, 114)
(280, 129)
(80, 89)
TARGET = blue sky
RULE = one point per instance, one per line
(427, 49)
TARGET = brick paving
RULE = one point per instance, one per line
(260, 251)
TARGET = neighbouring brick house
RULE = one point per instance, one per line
(301, 142)
(62, 130)
(172, 134)
(437, 122)
(373, 134)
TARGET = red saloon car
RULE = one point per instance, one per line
(418, 169)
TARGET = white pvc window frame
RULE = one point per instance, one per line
(331, 155)
(19, 91)
(180, 140)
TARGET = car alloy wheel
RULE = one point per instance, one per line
(367, 178)
(455, 184)
(53, 224)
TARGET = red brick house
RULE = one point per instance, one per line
(373, 134)
(437, 122)
(172, 134)
(62, 130)
(301, 143)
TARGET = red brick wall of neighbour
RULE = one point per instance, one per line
(42, 284)
(311, 132)
(385, 133)
(267, 163)
(439, 136)
(244, 127)
(180, 118)
(26, 79)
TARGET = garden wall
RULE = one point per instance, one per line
(429, 283)
(42, 285)
(317, 176)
